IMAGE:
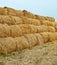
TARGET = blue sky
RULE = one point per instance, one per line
(41, 7)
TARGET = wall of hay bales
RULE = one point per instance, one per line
(22, 29)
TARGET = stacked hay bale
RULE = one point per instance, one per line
(21, 29)
(13, 12)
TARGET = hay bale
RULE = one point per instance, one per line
(51, 29)
(45, 22)
(21, 43)
(6, 19)
(4, 30)
(10, 20)
(45, 36)
(7, 45)
(39, 38)
(0, 47)
(49, 36)
(1, 20)
(17, 20)
(9, 42)
(55, 28)
(3, 11)
(38, 17)
(30, 21)
(25, 28)
(33, 29)
(42, 28)
(15, 31)
(11, 11)
(34, 21)
(52, 36)
(21, 29)
(31, 38)
(50, 19)
(28, 14)
(20, 13)
(55, 23)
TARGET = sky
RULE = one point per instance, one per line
(40, 7)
